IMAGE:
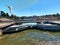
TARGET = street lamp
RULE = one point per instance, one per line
(10, 9)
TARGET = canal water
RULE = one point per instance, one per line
(29, 37)
(35, 34)
(31, 24)
(40, 35)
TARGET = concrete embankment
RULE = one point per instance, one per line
(5, 25)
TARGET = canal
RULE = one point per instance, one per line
(30, 36)
(40, 35)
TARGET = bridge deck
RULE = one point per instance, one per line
(58, 22)
(2, 25)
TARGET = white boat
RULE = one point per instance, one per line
(19, 27)
(15, 28)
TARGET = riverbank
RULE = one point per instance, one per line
(30, 37)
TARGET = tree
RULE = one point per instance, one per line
(12, 16)
(6, 15)
(16, 17)
(2, 14)
(57, 14)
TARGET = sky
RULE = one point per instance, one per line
(30, 7)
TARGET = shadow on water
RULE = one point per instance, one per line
(11, 32)
(49, 30)
(29, 29)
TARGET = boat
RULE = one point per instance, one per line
(15, 28)
(21, 27)
(46, 26)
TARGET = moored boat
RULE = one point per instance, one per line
(47, 26)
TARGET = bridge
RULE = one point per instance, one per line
(28, 21)
(37, 21)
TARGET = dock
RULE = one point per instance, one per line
(58, 22)
(4, 23)
(54, 22)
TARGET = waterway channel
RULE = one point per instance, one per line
(40, 35)
(37, 34)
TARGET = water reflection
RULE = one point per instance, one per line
(29, 24)
(39, 36)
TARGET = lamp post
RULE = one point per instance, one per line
(10, 9)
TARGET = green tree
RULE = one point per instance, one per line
(12, 17)
(57, 14)
(7, 15)
(2, 14)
